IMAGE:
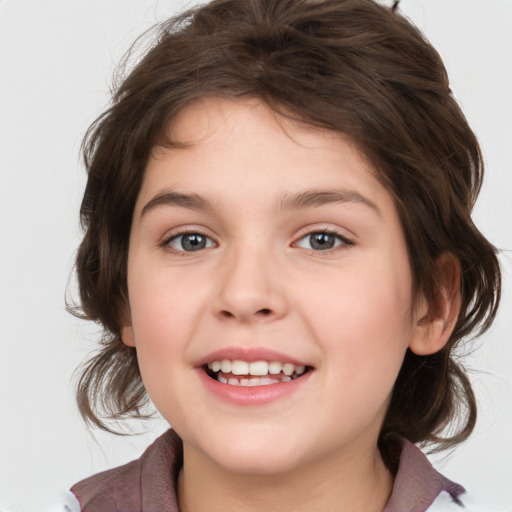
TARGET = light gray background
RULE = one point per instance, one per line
(56, 60)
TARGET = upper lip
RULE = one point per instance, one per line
(249, 354)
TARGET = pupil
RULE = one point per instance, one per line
(193, 242)
(322, 241)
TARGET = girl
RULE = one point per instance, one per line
(279, 247)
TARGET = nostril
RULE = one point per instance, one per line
(264, 312)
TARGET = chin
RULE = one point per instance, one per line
(253, 454)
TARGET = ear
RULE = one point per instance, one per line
(127, 330)
(435, 322)
(127, 335)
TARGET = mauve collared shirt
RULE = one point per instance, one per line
(148, 484)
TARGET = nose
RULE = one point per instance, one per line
(250, 288)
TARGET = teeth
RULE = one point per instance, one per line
(263, 369)
(258, 368)
(225, 366)
(240, 368)
(299, 370)
(267, 380)
(288, 369)
(275, 367)
(258, 381)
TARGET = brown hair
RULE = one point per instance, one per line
(351, 66)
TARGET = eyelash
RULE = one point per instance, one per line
(345, 242)
(175, 236)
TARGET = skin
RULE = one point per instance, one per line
(346, 311)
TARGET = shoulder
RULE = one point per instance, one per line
(109, 488)
(419, 487)
(149, 479)
(66, 502)
(464, 503)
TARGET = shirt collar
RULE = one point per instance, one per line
(417, 483)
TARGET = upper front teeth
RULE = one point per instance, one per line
(256, 368)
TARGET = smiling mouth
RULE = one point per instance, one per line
(254, 373)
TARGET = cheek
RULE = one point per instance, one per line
(166, 309)
(160, 348)
(164, 305)
(158, 320)
(366, 298)
(362, 318)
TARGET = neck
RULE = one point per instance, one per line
(355, 484)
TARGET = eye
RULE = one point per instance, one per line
(189, 242)
(322, 241)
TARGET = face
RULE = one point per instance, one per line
(269, 290)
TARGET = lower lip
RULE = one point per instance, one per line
(252, 395)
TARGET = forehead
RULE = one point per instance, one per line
(213, 119)
(200, 119)
(236, 149)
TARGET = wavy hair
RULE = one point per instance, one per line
(352, 66)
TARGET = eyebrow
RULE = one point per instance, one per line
(301, 200)
(169, 198)
(313, 198)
